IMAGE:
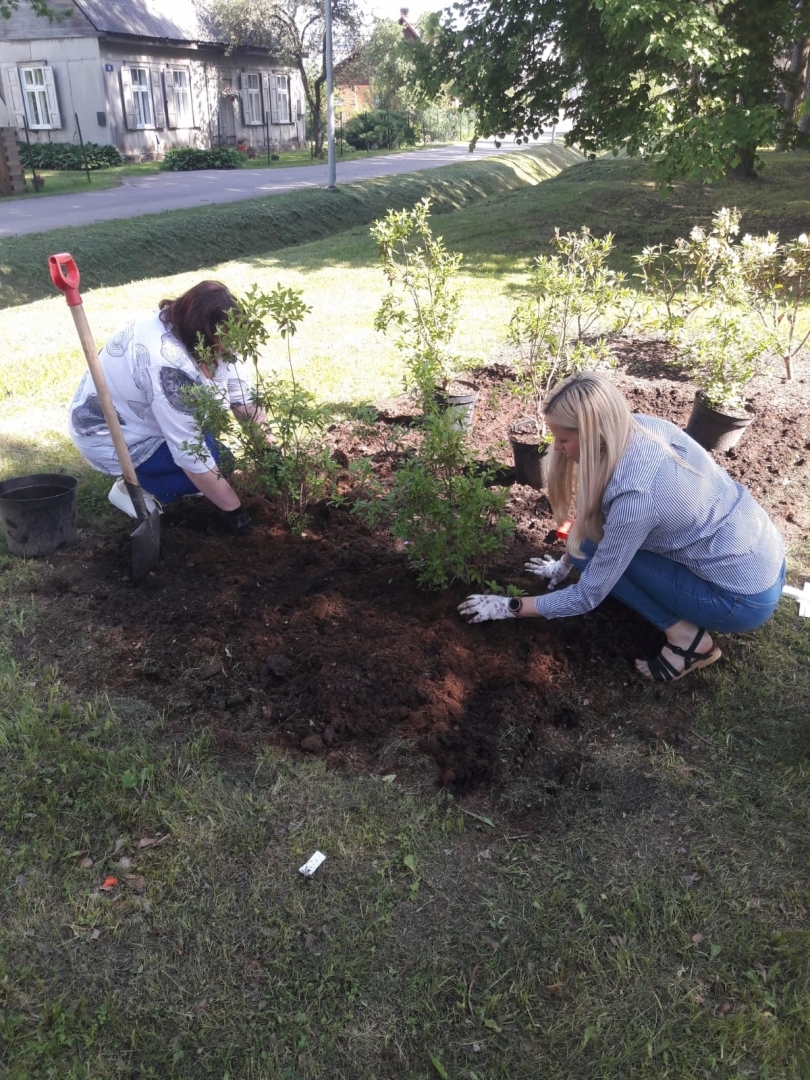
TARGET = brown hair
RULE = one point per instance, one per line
(199, 312)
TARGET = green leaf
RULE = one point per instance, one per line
(437, 1065)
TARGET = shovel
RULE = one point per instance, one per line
(146, 538)
(802, 595)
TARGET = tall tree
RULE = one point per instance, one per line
(295, 31)
(696, 82)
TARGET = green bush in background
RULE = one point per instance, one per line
(189, 158)
(379, 128)
(67, 157)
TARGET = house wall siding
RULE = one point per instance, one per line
(77, 75)
(87, 73)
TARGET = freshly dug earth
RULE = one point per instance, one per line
(321, 643)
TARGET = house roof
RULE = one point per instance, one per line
(175, 20)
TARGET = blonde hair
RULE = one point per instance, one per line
(589, 404)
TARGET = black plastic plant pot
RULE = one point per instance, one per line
(460, 406)
(38, 513)
(532, 461)
(716, 430)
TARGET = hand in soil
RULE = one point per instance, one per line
(553, 570)
(478, 608)
(239, 521)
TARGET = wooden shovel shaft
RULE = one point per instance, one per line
(107, 407)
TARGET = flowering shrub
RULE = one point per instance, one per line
(571, 294)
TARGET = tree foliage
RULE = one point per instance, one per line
(294, 31)
(39, 7)
(698, 82)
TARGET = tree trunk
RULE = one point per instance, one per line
(797, 79)
(745, 169)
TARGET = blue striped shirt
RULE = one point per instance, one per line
(702, 519)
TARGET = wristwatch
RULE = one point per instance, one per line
(514, 605)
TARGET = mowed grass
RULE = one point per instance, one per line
(645, 918)
(120, 252)
(651, 923)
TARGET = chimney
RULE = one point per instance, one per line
(403, 13)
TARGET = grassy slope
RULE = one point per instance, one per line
(657, 928)
(114, 253)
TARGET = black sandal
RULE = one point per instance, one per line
(662, 671)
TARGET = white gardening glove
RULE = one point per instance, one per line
(553, 570)
(478, 608)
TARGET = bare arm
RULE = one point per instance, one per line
(216, 488)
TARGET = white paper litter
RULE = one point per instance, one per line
(802, 595)
(312, 864)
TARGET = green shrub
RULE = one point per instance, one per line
(439, 503)
(279, 446)
(67, 157)
(190, 158)
(377, 128)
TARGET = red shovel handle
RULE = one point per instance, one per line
(65, 276)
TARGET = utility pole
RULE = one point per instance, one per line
(330, 102)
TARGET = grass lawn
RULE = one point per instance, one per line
(648, 919)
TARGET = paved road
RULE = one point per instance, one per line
(177, 191)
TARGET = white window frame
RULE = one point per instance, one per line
(142, 96)
(252, 98)
(35, 97)
(180, 90)
(283, 99)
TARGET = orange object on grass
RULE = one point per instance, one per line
(110, 883)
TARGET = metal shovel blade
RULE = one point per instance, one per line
(145, 547)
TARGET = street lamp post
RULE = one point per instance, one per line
(330, 102)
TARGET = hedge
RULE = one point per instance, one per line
(67, 157)
(189, 158)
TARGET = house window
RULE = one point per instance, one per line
(36, 97)
(283, 98)
(142, 97)
(252, 98)
(181, 92)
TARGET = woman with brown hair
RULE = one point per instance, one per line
(659, 526)
(149, 364)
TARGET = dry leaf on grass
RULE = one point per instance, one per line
(697, 938)
(152, 841)
(136, 882)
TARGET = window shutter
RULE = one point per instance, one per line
(157, 98)
(16, 103)
(171, 110)
(50, 91)
(242, 103)
(273, 99)
(129, 101)
(266, 96)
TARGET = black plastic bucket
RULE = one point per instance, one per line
(38, 513)
(459, 406)
(715, 430)
(531, 463)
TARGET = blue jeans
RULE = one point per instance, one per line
(664, 592)
(161, 477)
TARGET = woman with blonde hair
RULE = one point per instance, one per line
(659, 526)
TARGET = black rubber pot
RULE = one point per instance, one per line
(38, 513)
(531, 463)
(715, 430)
(460, 406)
